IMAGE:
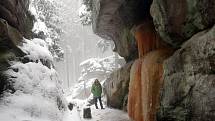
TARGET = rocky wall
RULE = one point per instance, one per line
(113, 20)
(116, 87)
(17, 69)
(177, 21)
(16, 13)
(15, 23)
(187, 76)
(9, 39)
(188, 93)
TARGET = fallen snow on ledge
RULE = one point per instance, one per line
(36, 95)
(36, 49)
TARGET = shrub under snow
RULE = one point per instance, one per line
(36, 49)
(36, 93)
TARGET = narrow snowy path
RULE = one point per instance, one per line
(98, 115)
(73, 115)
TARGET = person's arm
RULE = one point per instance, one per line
(101, 87)
(93, 88)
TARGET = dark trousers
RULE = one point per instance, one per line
(100, 101)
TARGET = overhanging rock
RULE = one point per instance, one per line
(113, 20)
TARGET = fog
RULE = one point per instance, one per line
(78, 43)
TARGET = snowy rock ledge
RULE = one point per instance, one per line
(30, 89)
(35, 94)
(36, 49)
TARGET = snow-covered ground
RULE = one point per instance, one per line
(106, 114)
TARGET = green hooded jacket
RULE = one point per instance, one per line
(96, 89)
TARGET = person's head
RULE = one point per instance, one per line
(96, 81)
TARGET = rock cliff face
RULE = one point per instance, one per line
(188, 91)
(16, 23)
(16, 13)
(177, 22)
(181, 88)
(13, 14)
(113, 20)
(116, 87)
(18, 68)
(9, 38)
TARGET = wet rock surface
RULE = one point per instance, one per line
(16, 13)
(113, 20)
(18, 72)
(187, 25)
(177, 22)
(189, 76)
(16, 23)
(116, 87)
(10, 37)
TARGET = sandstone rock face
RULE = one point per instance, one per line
(108, 24)
(17, 71)
(113, 20)
(177, 22)
(13, 26)
(16, 13)
(116, 87)
(15, 23)
(189, 81)
(9, 39)
(145, 83)
(189, 75)
(126, 46)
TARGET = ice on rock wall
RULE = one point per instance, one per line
(146, 82)
(146, 73)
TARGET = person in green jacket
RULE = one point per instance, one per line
(97, 92)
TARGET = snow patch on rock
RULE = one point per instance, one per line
(37, 96)
(36, 49)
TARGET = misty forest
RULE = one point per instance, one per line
(107, 60)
